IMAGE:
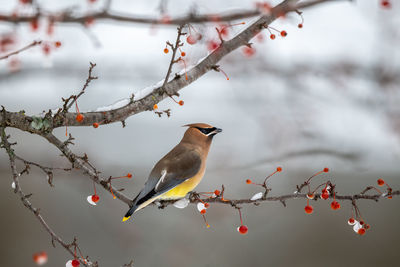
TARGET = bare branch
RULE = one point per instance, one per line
(34, 43)
(28, 204)
(107, 15)
(147, 102)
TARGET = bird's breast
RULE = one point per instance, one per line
(181, 190)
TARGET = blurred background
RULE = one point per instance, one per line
(325, 96)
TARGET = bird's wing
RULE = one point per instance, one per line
(173, 169)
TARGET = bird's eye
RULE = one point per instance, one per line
(206, 131)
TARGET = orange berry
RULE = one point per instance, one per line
(248, 181)
(279, 169)
(79, 117)
(181, 102)
(217, 192)
(166, 50)
(335, 205)
(203, 211)
(183, 54)
(361, 231)
(129, 175)
(308, 209)
(155, 106)
(57, 44)
(95, 125)
(380, 182)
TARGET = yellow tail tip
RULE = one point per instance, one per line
(125, 218)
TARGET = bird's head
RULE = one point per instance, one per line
(200, 133)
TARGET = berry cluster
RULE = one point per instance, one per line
(203, 206)
(93, 199)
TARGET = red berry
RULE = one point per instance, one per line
(272, 36)
(224, 31)
(326, 169)
(57, 44)
(95, 125)
(129, 175)
(46, 49)
(212, 45)
(279, 169)
(300, 25)
(79, 117)
(181, 103)
(207, 205)
(243, 229)
(335, 205)
(203, 211)
(166, 19)
(248, 51)
(35, 24)
(386, 4)
(367, 226)
(351, 221)
(283, 33)
(50, 28)
(308, 209)
(25, 2)
(362, 222)
(95, 198)
(217, 192)
(361, 231)
(183, 54)
(248, 181)
(75, 263)
(89, 21)
(191, 39)
(380, 182)
(310, 195)
(325, 194)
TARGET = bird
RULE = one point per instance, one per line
(180, 170)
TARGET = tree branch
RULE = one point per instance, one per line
(28, 204)
(107, 15)
(34, 43)
(146, 99)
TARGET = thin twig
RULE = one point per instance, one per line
(34, 43)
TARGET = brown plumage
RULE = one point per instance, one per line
(180, 171)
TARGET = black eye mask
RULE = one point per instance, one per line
(206, 131)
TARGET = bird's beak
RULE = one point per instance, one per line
(218, 130)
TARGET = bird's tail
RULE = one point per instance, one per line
(129, 213)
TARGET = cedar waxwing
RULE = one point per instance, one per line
(180, 171)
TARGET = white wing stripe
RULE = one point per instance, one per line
(163, 174)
